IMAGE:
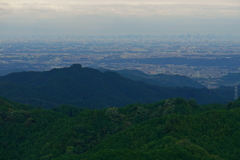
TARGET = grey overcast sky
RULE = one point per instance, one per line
(115, 17)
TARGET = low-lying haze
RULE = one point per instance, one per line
(114, 17)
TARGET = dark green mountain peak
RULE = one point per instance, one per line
(76, 66)
(89, 88)
(73, 67)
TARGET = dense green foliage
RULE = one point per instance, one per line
(169, 129)
(90, 88)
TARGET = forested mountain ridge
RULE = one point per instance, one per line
(90, 88)
(158, 79)
(169, 129)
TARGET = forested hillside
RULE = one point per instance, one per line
(169, 129)
(90, 88)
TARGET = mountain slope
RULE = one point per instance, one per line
(230, 79)
(159, 79)
(90, 88)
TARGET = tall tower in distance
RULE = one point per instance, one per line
(236, 91)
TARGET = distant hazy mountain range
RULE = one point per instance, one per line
(90, 88)
(159, 79)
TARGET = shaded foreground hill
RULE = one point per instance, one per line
(170, 129)
(90, 88)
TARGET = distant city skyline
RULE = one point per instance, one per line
(152, 17)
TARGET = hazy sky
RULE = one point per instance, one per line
(115, 17)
